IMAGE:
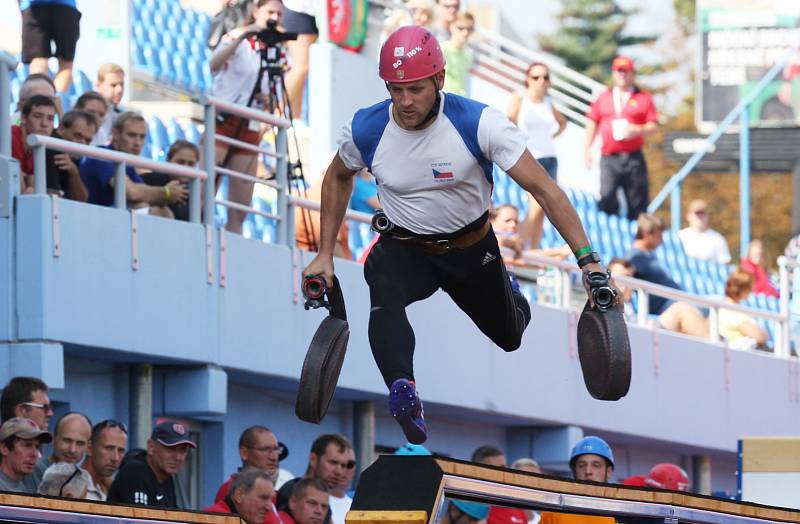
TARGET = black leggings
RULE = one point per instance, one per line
(400, 274)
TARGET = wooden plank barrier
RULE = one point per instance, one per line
(404, 484)
(769, 470)
(17, 504)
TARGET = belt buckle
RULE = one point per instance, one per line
(443, 244)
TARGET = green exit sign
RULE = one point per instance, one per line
(109, 32)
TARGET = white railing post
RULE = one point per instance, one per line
(120, 201)
(643, 307)
(782, 334)
(713, 324)
(209, 162)
(39, 170)
(6, 65)
(284, 207)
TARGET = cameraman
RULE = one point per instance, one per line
(235, 66)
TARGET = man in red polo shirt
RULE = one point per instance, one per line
(624, 115)
(38, 115)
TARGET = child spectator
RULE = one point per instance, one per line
(753, 263)
(46, 21)
(458, 60)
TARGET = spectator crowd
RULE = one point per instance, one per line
(93, 462)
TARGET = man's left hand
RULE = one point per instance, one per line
(595, 266)
(65, 163)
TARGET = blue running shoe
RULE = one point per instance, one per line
(406, 408)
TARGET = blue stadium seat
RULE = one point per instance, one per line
(201, 27)
(168, 40)
(137, 54)
(192, 133)
(139, 33)
(146, 18)
(167, 67)
(196, 76)
(159, 138)
(154, 37)
(181, 71)
(174, 131)
(151, 61)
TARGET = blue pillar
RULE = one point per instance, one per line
(675, 208)
(744, 180)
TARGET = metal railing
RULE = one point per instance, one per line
(672, 188)
(41, 143)
(7, 64)
(211, 107)
(568, 272)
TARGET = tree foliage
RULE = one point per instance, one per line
(590, 34)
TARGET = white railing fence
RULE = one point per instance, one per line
(7, 64)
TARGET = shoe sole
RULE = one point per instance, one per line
(413, 432)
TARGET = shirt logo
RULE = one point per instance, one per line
(442, 172)
(399, 51)
(140, 498)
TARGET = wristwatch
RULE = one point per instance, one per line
(588, 258)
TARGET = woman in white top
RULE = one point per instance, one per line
(532, 111)
(235, 66)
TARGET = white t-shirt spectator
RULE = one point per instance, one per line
(539, 123)
(235, 80)
(705, 245)
(339, 508)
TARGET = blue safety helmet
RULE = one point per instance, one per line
(475, 510)
(412, 449)
(594, 446)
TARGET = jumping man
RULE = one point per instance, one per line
(431, 154)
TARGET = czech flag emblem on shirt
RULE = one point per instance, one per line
(442, 175)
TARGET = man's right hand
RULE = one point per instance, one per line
(322, 265)
(179, 193)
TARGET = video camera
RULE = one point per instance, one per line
(272, 37)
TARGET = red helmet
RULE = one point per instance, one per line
(411, 53)
(668, 476)
(635, 480)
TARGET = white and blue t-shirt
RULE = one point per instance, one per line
(439, 179)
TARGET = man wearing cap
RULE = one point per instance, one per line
(591, 460)
(431, 154)
(464, 512)
(20, 442)
(623, 115)
(149, 482)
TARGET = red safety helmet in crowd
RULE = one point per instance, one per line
(410, 53)
(668, 476)
(635, 480)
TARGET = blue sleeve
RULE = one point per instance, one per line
(364, 190)
(99, 171)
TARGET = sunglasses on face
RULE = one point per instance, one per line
(467, 29)
(110, 424)
(45, 407)
(536, 78)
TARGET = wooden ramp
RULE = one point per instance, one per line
(39, 509)
(413, 490)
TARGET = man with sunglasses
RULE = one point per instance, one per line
(106, 450)
(20, 442)
(446, 11)
(328, 462)
(259, 449)
(458, 60)
(623, 116)
(26, 397)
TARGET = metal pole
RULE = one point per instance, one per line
(744, 180)
(120, 201)
(675, 208)
(782, 344)
(39, 170)
(141, 405)
(5, 114)
(701, 473)
(364, 433)
(195, 190)
(209, 162)
(282, 177)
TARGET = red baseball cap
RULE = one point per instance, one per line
(622, 63)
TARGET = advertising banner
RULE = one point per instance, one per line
(347, 23)
(741, 40)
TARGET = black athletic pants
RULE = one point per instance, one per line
(399, 274)
(628, 171)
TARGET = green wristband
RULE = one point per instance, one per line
(583, 251)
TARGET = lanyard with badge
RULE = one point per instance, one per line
(619, 125)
